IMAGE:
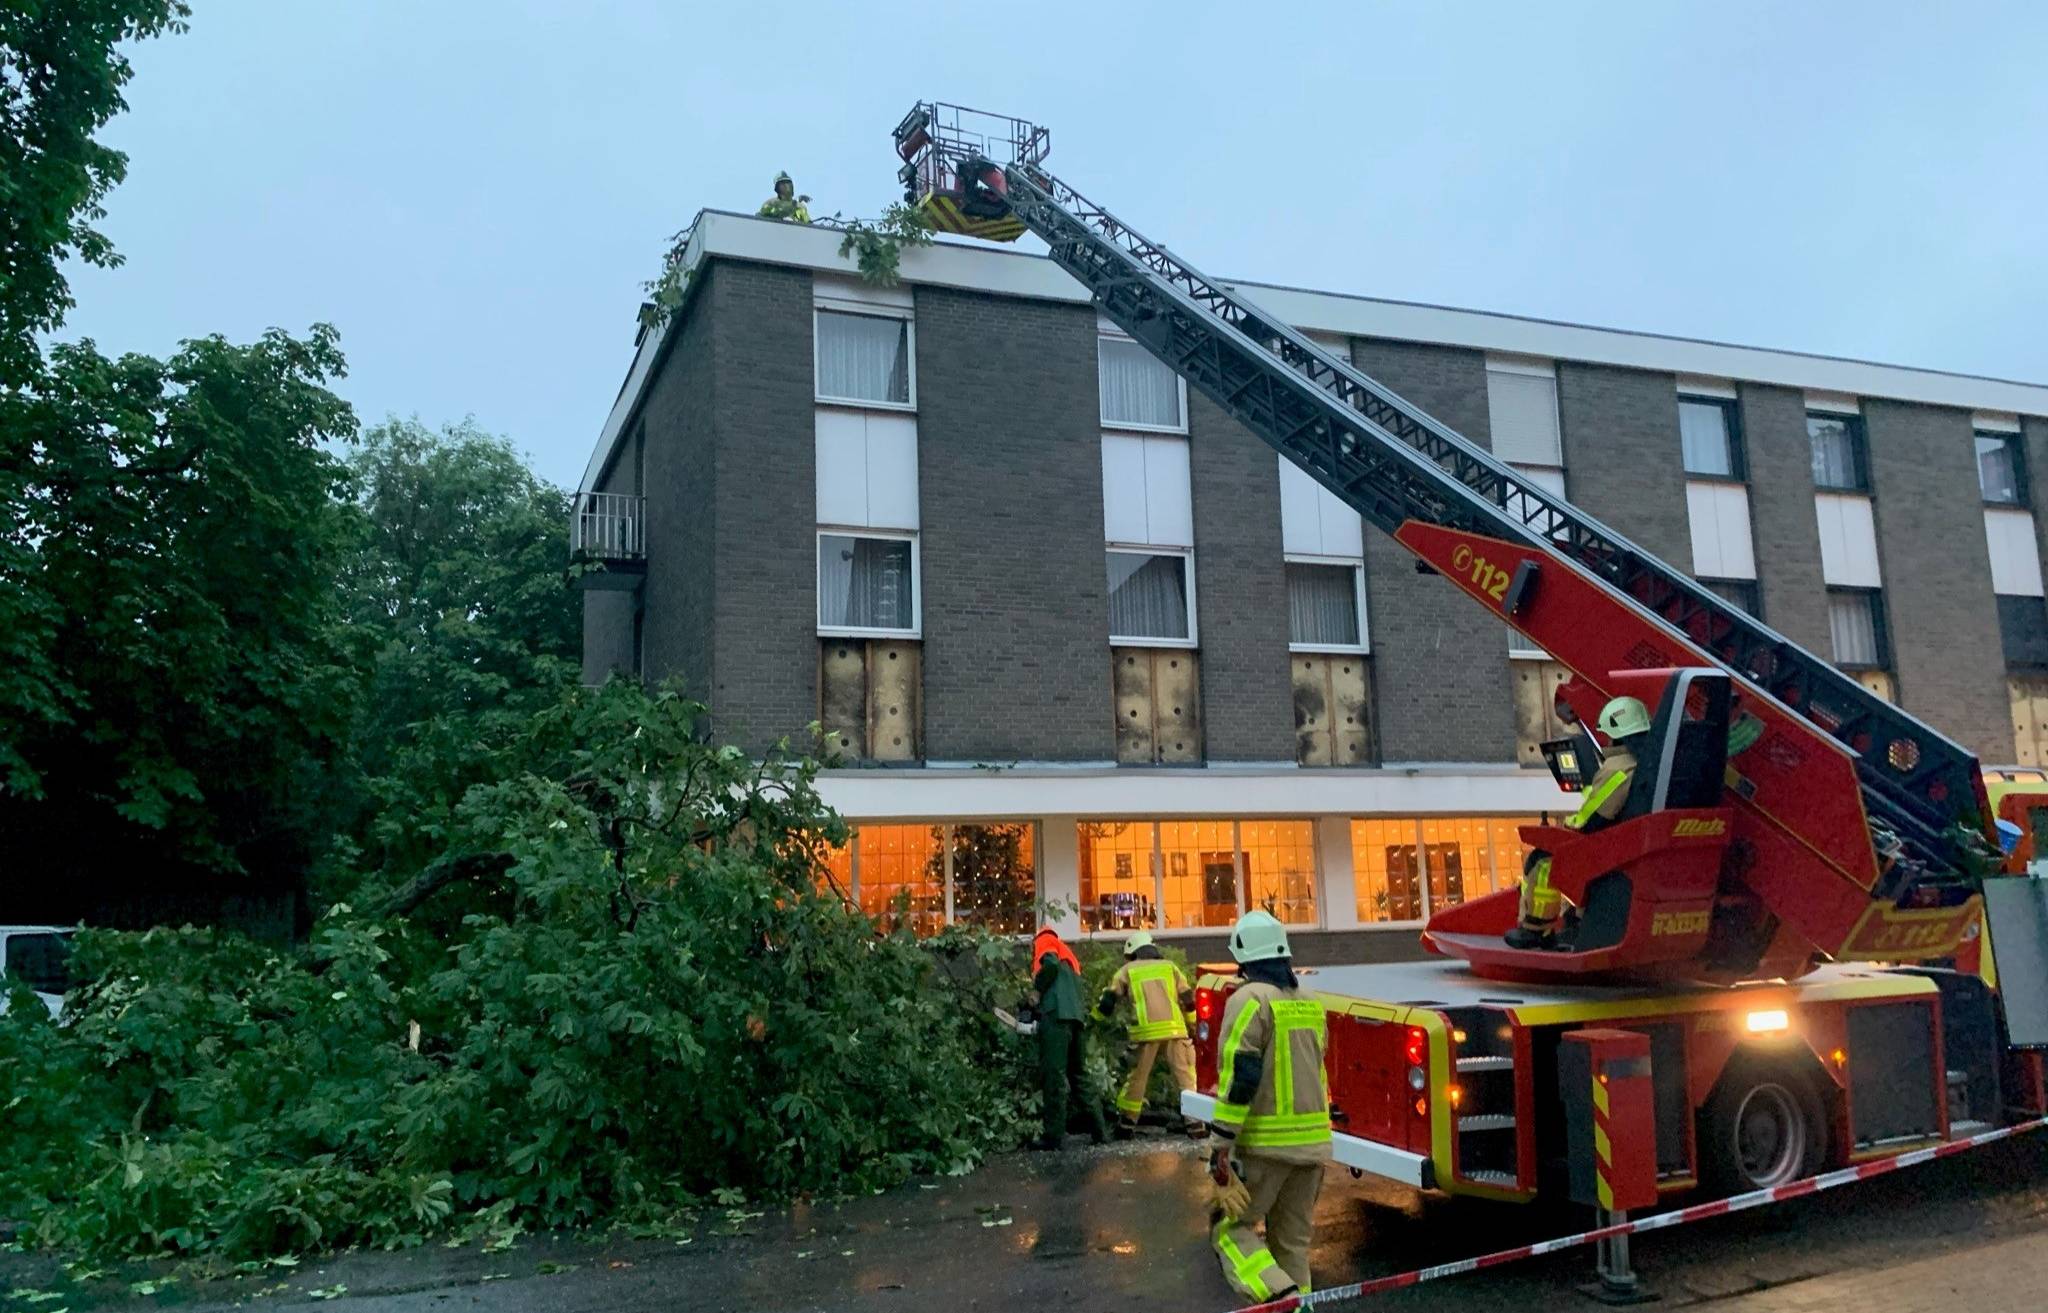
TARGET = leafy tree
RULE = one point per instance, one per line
(659, 1007)
(170, 680)
(61, 75)
(459, 615)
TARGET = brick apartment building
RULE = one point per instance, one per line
(1085, 640)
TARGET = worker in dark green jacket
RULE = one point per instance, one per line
(1062, 1052)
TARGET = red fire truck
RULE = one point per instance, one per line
(1807, 907)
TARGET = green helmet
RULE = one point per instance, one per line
(783, 177)
(1258, 937)
(1624, 718)
(1141, 939)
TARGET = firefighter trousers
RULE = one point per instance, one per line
(1180, 1060)
(1284, 1198)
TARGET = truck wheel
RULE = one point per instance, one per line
(1763, 1127)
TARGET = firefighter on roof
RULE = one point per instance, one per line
(1273, 1109)
(1159, 995)
(1624, 721)
(785, 204)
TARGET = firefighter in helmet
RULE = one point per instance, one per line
(1272, 1116)
(1624, 721)
(1159, 997)
(785, 204)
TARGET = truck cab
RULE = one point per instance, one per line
(38, 956)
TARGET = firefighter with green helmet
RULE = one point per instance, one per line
(1273, 1117)
(785, 204)
(1624, 721)
(1159, 996)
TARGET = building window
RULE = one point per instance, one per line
(924, 877)
(864, 359)
(1151, 598)
(2023, 627)
(2001, 469)
(1138, 392)
(1521, 406)
(1280, 868)
(1838, 452)
(1194, 874)
(995, 877)
(867, 584)
(1408, 867)
(1857, 630)
(1198, 874)
(1323, 607)
(1740, 592)
(1710, 438)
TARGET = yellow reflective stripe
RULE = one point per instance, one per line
(1129, 1105)
(1293, 1120)
(1231, 1114)
(1250, 1269)
(1591, 806)
(1263, 1138)
(1226, 1066)
(1147, 1026)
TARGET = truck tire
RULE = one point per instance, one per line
(1763, 1127)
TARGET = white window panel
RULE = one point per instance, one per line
(867, 469)
(1721, 543)
(1549, 478)
(1145, 492)
(1521, 406)
(1699, 385)
(1313, 522)
(2015, 557)
(1848, 541)
(1839, 403)
(1995, 421)
(1169, 498)
(865, 359)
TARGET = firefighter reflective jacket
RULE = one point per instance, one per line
(1269, 1074)
(1154, 986)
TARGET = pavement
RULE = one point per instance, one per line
(1121, 1228)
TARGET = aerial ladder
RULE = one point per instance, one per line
(1785, 814)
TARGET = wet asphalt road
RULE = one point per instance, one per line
(1121, 1228)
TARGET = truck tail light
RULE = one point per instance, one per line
(1418, 1046)
(1418, 1071)
(1205, 1004)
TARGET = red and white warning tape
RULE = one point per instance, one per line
(1655, 1222)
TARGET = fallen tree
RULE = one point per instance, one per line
(620, 992)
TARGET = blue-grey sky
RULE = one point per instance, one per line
(473, 190)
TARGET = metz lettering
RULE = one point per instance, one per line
(1698, 829)
(1680, 923)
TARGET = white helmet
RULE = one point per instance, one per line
(1140, 939)
(1259, 937)
(1624, 718)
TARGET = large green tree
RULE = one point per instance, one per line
(61, 74)
(458, 616)
(171, 674)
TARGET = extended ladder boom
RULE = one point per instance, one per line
(1398, 466)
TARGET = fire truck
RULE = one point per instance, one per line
(1809, 907)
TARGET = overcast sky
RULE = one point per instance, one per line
(473, 191)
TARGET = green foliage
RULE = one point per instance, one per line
(458, 615)
(631, 995)
(878, 247)
(61, 74)
(170, 680)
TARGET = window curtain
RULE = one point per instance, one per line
(863, 357)
(1703, 435)
(864, 583)
(1322, 605)
(1834, 453)
(1148, 596)
(1997, 471)
(1522, 418)
(1852, 626)
(1137, 389)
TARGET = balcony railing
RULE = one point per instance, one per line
(609, 526)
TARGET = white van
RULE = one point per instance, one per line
(39, 956)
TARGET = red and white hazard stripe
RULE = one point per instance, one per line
(1654, 1222)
